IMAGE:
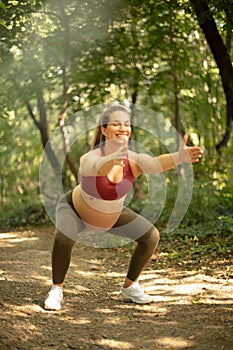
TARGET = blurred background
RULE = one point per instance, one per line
(59, 58)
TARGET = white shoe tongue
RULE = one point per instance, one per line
(136, 285)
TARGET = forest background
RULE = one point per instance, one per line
(173, 57)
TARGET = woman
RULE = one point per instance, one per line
(107, 174)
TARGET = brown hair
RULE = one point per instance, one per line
(104, 120)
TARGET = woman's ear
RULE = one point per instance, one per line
(103, 130)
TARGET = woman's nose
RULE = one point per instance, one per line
(122, 126)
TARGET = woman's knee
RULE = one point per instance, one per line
(62, 240)
(150, 238)
(156, 236)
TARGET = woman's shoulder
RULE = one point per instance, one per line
(88, 158)
(132, 155)
(91, 153)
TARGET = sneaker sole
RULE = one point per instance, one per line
(132, 300)
(46, 307)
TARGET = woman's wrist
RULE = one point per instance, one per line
(176, 158)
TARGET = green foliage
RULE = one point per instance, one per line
(24, 214)
(191, 242)
(207, 224)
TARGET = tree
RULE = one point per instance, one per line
(58, 59)
(221, 56)
(17, 53)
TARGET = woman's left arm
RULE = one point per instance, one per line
(164, 162)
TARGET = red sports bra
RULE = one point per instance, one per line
(102, 188)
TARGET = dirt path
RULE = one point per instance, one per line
(194, 308)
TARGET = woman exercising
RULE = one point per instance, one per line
(107, 173)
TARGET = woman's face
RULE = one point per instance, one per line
(118, 127)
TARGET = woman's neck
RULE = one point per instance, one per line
(111, 146)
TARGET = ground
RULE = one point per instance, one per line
(193, 308)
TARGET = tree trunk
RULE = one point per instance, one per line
(176, 119)
(61, 118)
(42, 125)
(222, 58)
(1, 189)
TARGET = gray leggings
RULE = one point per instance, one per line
(129, 224)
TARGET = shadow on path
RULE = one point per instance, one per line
(192, 311)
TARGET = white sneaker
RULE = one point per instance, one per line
(135, 294)
(54, 298)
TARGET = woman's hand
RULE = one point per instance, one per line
(121, 153)
(189, 154)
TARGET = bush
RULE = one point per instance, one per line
(23, 215)
(209, 219)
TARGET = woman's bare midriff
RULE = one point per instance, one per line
(92, 218)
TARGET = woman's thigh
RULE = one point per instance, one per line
(67, 220)
(131, 225)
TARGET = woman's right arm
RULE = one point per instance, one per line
(93, 164)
